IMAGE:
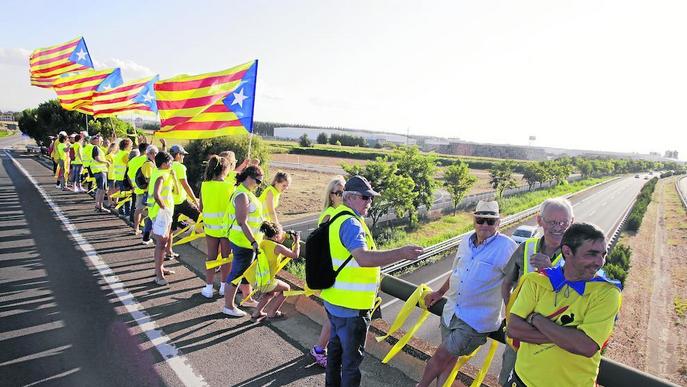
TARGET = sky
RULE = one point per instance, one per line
(585, 74)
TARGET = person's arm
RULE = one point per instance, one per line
(373, 258)
(189, 191)
(163, 145)
(519, 329)
(98, 156)
(295, 251)
(241, 204)
(157, 189)
(200, 203)
(242, 166)
(269, 202)
(568, 338)
(437, 295)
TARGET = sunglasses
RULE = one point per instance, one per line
(366, 198)
(337, 193)
(489, 221)
(258, 180)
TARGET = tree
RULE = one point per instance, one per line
(502, 177)
(420, 169)
(304, 140)
(532, 174)
(397, 192)
(458, 180)
(322, 138)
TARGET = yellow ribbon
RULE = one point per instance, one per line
(305, 292)
(196, 231)
(417, 298)
(121, 195)
(122, 202)
(236, 281)
(219, 261)
(482, 372)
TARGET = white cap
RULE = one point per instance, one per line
(487, 209)
(62, 133)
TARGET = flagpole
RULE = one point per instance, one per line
(252, 112)
(86, 115)
(250, 143)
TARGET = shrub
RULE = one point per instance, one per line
(201, 150)
(304, 141)
(634, 220)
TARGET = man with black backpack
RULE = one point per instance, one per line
(355, 271)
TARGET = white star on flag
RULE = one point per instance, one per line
(81, 55)
(239, 98)
(107, 87)
(148, 97)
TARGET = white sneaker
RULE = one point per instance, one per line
(221, 290)
(236, 312)
(148, 242)
(208, 292)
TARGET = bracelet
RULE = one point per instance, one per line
(254, 243)
(530, 318)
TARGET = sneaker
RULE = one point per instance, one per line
(161, 281)
(57, 185)
(250, 304)
(236, 312)
(208, 292)
(320, 358)
(221, 290)
(147, 242)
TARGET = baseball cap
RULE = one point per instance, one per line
(176, 149)
(360, 185)
(62, 133)
(487, 209)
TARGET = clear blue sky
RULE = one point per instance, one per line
(589, 74)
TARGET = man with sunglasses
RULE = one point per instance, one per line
(473, 292)
(352, 297)
(555, 217)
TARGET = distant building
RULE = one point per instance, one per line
(293, 133)
(7, 117)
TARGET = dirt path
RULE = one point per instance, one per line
(650, 334)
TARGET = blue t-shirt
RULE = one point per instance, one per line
(352, 237)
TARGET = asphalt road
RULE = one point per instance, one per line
(603, 205)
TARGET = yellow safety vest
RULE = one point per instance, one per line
(328, 212)
(110, 167)
(78, 157)
(253, 220)
(87, 158)
(96, 166)
(355, 287)
(215, 196)
(60, 151)
(275, 200)
(119, 165)
(531, 248)
(165, 193)
(179, 171)
(134, 165)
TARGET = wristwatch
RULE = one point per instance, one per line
(530, 318)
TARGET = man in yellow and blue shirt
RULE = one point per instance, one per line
(563, 316)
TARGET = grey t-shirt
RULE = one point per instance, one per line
(514, 269)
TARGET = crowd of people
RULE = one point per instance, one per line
(559, 306)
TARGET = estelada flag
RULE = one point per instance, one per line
(135, 96)
(75, 90)
(46, 64)
(207, 105)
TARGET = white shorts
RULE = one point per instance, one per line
(162, 223)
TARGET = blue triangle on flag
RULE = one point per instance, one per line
(111, 81)
(147, 95)
(242, 99)
(80, 54)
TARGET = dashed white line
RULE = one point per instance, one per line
(174, 358)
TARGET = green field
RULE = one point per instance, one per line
(5, 132)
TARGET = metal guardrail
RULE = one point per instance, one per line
(681, 194)
(611, 373)
(450, 243)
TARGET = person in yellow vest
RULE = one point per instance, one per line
(87, 159)
(60, 156)
(273, 294)
(185, 202)
(120, 159)
(139, 195)
(555, 216)
(473, 293)
(161, 189)
(147, 170)
(244, 217)
(110, 153)
(350, 300)
(77, 164)
(52, 151)
(99, 166)
(270, 195)
(333, 198)
(215, 192)
(236, 169)
(563, 316)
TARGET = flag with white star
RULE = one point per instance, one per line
(135, 96)
(207, 105)
(75, 90)
(46, 64)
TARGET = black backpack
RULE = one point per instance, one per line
(126, 183)
(319, 271)
(141, 180)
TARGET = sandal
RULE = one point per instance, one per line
(168, 272)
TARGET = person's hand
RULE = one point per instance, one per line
(142, 139)
(432, 298)
(540, 261)
(163, 142)
(255, 162)
(411, 252)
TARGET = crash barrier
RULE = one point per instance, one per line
(611, 373)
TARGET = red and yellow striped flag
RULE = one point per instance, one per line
(208, 105)
(46, 64)
(138, 96)
(75, 91)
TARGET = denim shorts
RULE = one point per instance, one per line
(100, 180)
(141, 200)
(242, 259)
(459, 338)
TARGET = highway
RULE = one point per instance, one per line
(603, 205)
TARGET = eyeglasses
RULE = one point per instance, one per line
(337, 193)
(490, 221)
(366, 198)
(258, 180)
(554, 223)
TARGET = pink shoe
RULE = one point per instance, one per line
(320, 358)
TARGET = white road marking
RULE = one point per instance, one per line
(174, 358)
